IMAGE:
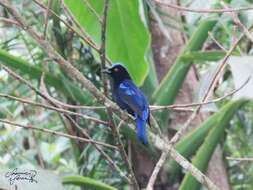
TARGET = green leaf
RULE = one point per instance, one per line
(86, 182)
(206, 150)
(127, 37)
(203, 56)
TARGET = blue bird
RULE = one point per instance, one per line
(130, 98)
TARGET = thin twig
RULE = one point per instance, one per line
(105, 155)
(156, 170)
(158, 20)
(243, 28)
(92, 10)
(71, 70)
(57, 133)
(83, 32)
(71, 106)
(240, 159)
(179, 109)
(178, 135)
(65, 105)
(46, 18)
(221, 67)
(39, 153)
(203, 179)
(186, 9)
(168, 147)
(216, 42)
(156, 125)
(175, 106)
(103, 44)
(8, 21)
(53, 108)
(84, 38)
(75, 74)
(73, 20)
(237, 21)
(125, 157)
(114, 129)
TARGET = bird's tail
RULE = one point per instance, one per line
(141, 130)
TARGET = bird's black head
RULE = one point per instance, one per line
(118, 73)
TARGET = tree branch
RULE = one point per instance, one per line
(156, 170)
(53, 108)
(114, 129)
(83, 36)
(240, 159)
(46, 19)
(217, 75)
(186, 9)
(75, 74)
(93, 11)
(174, 106)
(106, 156)
(44, 130)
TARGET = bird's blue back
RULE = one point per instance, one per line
(130, 98)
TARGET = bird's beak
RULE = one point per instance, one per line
(106, 70)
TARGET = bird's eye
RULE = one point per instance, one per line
(116, 69)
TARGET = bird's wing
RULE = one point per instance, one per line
(134, 98)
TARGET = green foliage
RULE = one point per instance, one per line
(199, 56)
(239, 144)
(192, 141)
(128, 41)
(127, 36)
(206, 150)
(35, 72)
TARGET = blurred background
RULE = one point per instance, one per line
(174, 50)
